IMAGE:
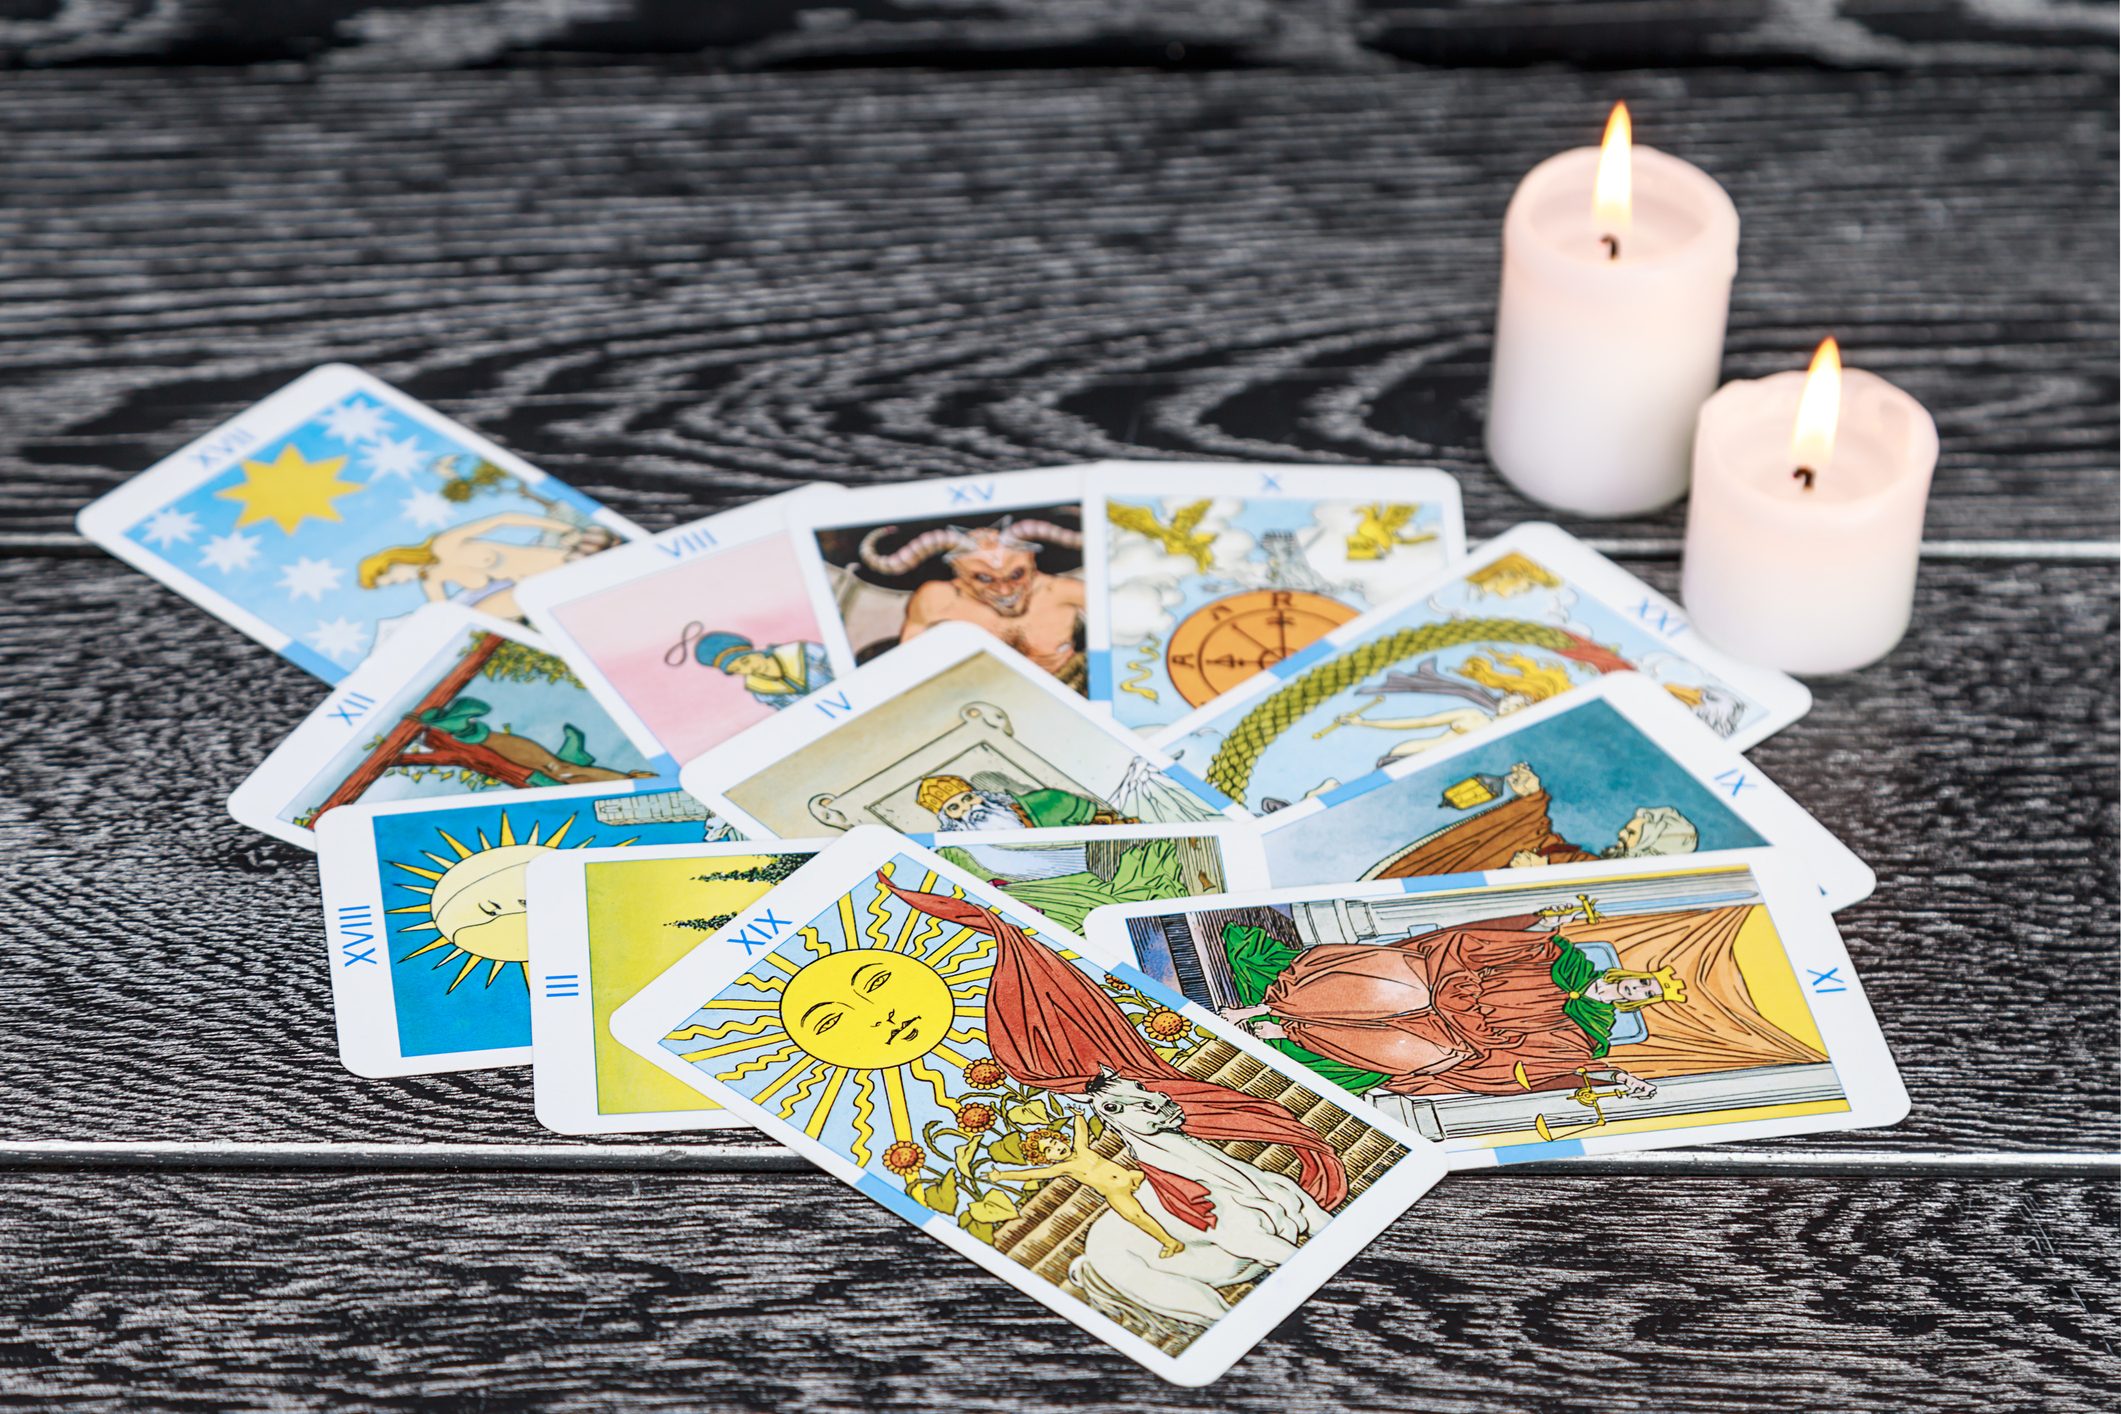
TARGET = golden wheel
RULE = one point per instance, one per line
(1221, 644)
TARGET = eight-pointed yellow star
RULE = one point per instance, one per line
(289, 490)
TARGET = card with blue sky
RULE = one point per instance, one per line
(1521, 1015)
(425, 913)
(318, 520)
(1530, 615)
(1078, 1130)
(1201, 574)
(455, 703)
(640, 916)
(1619, 769)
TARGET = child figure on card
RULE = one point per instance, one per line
(1109, 1179)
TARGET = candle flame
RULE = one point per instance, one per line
(1612, 196)
(1819, 410)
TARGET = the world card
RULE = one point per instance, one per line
(1531, 615)
(1073, 1127)
(319, 520)
(1618, 769)
(425, 914)
(1203, 574)
(696, 633)
(655, 905)
(1002, 553)
(455, 703)
(1544, 1013)
(952, 732)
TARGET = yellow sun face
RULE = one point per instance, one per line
(867, 1008)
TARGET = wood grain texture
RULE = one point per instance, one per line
(1975, 770)
(413, 1292)
(675, 288)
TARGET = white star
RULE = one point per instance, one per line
(393, 457)
(354, 420)
(233, 551)
(429, 510)
(308, 579)
(170, 524)
(338, 639)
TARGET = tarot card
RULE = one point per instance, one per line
(694, 634)
(641, 915)
(1116, 1153)
(319, 520)
(1528, 616)
(456, 702)
(954, 731)
(1003, 553)
(1532, 1014)
(1202, 574)
(424, 913)
(1616, 770)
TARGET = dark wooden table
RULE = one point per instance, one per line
(681, 281)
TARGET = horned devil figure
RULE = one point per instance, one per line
(996, 584)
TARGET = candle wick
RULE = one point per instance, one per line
(1612, 246)
(1804, 474)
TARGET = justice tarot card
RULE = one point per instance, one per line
(1075, 1128)
(319, 520)
(1618, 769)
(1531, 1014)
(454, 703)
(1203, 574)
(1528, 616)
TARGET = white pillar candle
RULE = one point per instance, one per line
(1806, 522)
(1609, 336)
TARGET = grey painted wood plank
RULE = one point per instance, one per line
(677, 288)
(428, 1291)
(1976, 770)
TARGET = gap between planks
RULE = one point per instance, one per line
(767, 1158)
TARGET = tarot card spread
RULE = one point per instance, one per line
(1078, 1130)
(1003, 553)
(454, 703)
(425, 914)
(1202, 575)
(1530, 615)
(605, 931)
(952, 732)
(1617, 770)
(693, 635)
(1543, 1013)
(318, 520)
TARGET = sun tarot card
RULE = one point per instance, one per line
(1541, 1013)
(317, 521)
(1119, 1155)
(424, 914)
(1530, 615)
(887, 564)
(1203, 574)
(1616, 770)
(696, 633)
(952, 732)
(642, 915)
(456, 702)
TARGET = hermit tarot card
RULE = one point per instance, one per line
(1203, 574)
(1079, 1130)
(1528, 616)
(456, 702)
(424, 913)
(694, 634)
(652, 906)
(952, 732)
(1616, 770)
(319, 520)
(1529, 1014)
(1004, 552)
